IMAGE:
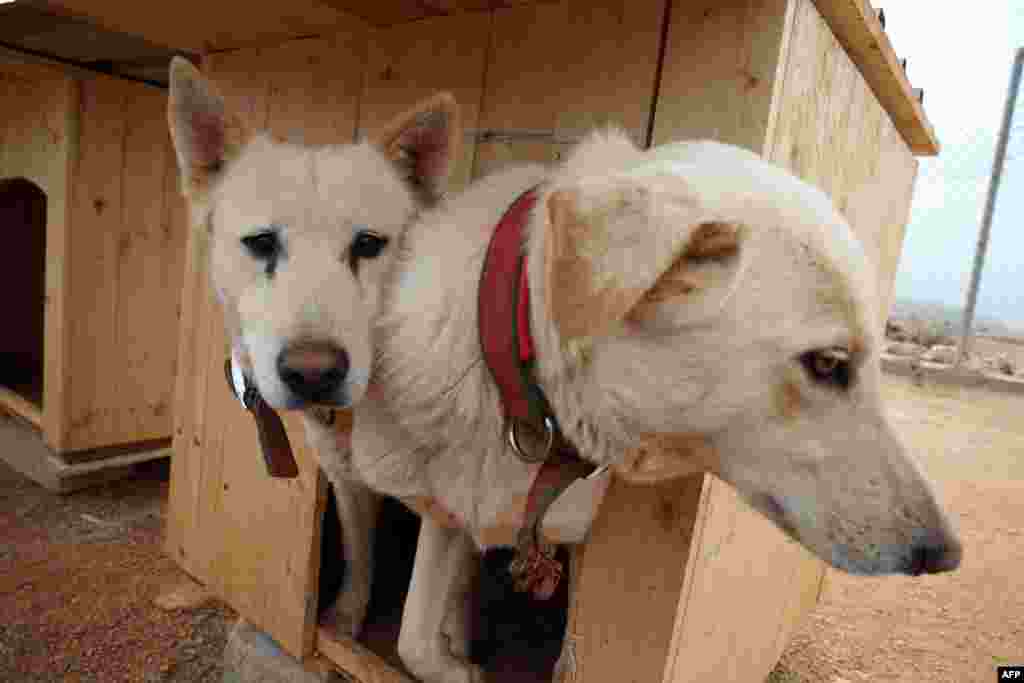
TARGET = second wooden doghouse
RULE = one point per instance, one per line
(88, 200)
(680, 582)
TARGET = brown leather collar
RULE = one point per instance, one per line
(274, 444)
(508, 350)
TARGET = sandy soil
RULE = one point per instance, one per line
(78, 575)
(953, 627)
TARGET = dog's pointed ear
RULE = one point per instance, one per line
(206, 136)
(424, 143)
(619, 248)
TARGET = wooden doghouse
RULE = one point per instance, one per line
(88, 198)
(680, 582)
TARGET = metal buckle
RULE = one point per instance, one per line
(513, 440)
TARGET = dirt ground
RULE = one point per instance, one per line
(952, 627)
(78, 573)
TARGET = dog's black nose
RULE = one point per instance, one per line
(313, 371)
(935, 556)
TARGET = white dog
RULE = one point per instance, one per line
(690, 308)
(301, 240)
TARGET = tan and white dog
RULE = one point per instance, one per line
(693, 308)
(301, 240)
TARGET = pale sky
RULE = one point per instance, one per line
(961, 53)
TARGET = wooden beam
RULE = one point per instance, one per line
(203, 26)
(11, 401)
(355, 660)
(858, 30)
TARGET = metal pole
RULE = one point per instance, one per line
(990, 204)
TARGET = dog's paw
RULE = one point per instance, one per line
(346, 616)
(434, 665)
(457, 671)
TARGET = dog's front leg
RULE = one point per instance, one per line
(357, 510)
(435, 609)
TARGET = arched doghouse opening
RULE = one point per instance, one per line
(23, 281)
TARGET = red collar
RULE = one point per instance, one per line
(503, 310)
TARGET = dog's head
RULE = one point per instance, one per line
(301, 238)
(713, 312)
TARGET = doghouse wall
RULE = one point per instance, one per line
(38, 143)
(100, 150)
(712, 578)
(124, 269)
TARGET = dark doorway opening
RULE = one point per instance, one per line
(23, 283)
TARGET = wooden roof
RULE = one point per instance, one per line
(212, 25)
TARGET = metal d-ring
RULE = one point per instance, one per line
(513, 440)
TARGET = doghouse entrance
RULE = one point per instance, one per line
(23, 279)
(515, 638)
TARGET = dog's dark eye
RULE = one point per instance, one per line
(366, 245)
(828, 366)
(264, 246)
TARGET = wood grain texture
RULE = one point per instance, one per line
(627, 581)
(746, 588)
(719, 72)
(831, 131)
(410, 62)
(124, 273)
(199, 26)
(568, 66)
(356, 661)
(856, 27)
(202, 26)
(38, 142)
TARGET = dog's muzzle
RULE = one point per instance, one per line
(313, 371)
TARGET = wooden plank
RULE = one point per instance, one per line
(223, 506)
(855, 25)
(202, 26)
(359, 663)
(93, 284)
(719, 71)
(59, 222)
(625, 592)
(611, 57)
(832, 131)
(15, 403)
(390, 12)
(125, 276)
(892, 201)
(384, 12)
(410, 62)
(149, 276)
(746, 588)
(38, 137)
(189, 404)
(314, 87)
(568, 66)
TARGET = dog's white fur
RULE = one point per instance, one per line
(317, 199)
(680, 299)
(672, 295)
